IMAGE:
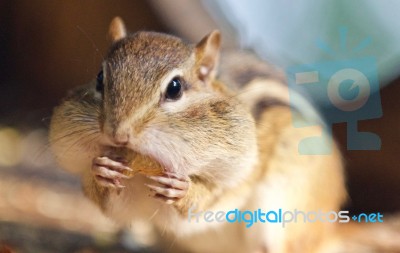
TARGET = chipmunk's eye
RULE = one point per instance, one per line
(174, 89)
(99, 83)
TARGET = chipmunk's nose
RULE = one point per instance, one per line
(119, 136)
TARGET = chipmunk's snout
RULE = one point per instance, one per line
(121, 138)
(119, 135)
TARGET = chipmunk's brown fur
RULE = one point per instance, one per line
(216, 157)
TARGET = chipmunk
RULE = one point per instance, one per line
(209, 145)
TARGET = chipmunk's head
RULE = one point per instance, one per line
(148, 70)
(159, 95)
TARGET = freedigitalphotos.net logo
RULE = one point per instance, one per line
(349, 86)
(280, 216)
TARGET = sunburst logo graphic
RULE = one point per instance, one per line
(348, 86)
(343, 38)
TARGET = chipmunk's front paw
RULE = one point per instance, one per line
(171, 187)
(108, 173)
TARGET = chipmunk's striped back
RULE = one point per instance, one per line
(262, 86)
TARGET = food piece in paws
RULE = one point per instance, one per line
(137, 162)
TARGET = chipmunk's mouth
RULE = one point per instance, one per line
(162, 163)
(162, 148)
(154, 151)
(155, 156)
(161, 158)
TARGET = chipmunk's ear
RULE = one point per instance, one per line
(207, 55)
(117, 29)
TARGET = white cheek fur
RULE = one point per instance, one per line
(166, 149)
(175, 106)
(185, 101)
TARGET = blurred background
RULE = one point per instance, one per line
(48, 47)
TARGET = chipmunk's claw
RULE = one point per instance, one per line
(108, 173)
(171, 187)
